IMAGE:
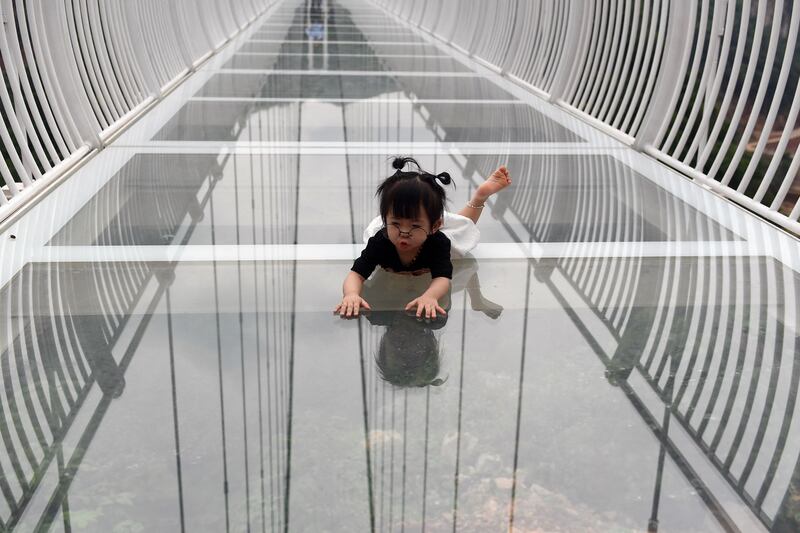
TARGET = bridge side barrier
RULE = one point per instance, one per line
(75, 73)
(708, 87)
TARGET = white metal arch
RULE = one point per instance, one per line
(75, 71)
(709, 87)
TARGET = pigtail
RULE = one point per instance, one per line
(402, 192)
(444, 178)
(399, 162)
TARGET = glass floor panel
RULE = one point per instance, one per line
(170, 199)
(335, 36)
(376, 28)
(619, 353)
(338, 34)
(332, 20)
(214, 401)
(367, 48)
(388, 27)
(325, 86)
(345, 62)
(366, 120)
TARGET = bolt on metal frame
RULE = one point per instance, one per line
(708, 87)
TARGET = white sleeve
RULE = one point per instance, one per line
(374, 227)
(462, 232)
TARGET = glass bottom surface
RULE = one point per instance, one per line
(371, 120)
(620, 353)
(334, 35)
(345, 62)
(201, 199)
(350, 86)
(361, 48)
(534, 401)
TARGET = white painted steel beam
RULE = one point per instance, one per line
(702, 84)
(74, 73)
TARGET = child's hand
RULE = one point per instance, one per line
(426, 304)
(351, 304)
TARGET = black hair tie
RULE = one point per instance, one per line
(444, 178)
(399, 162)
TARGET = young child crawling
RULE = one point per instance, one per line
(411, 234)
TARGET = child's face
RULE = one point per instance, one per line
(408, 234)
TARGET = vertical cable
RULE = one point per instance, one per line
(519, 399)
(176, 431)
(219, 368)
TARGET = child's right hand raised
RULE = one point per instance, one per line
(350, 306)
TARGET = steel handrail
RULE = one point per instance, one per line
(664, 76)
(75, 73)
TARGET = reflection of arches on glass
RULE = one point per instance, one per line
(229, 121)
(429, 121)
(79, 324)
(659, 322)
(593, 198)
(723, 325)
(735, 392)
(153, 199)
(168, 199)
(700, 311)
(729, 322)
(65, 340)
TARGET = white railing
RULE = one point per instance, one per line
(74, 73)
(709, 87)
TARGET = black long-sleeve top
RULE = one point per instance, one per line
(434, 257)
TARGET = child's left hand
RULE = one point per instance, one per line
(426, 304)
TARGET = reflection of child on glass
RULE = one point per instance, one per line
(408, 353)
(406, 237)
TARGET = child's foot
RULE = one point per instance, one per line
(489, 308)
(495, 183)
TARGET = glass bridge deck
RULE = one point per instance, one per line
(621, 350)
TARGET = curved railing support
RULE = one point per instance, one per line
(708, 87)
(74, 73)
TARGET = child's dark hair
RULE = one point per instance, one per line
(405, 192)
